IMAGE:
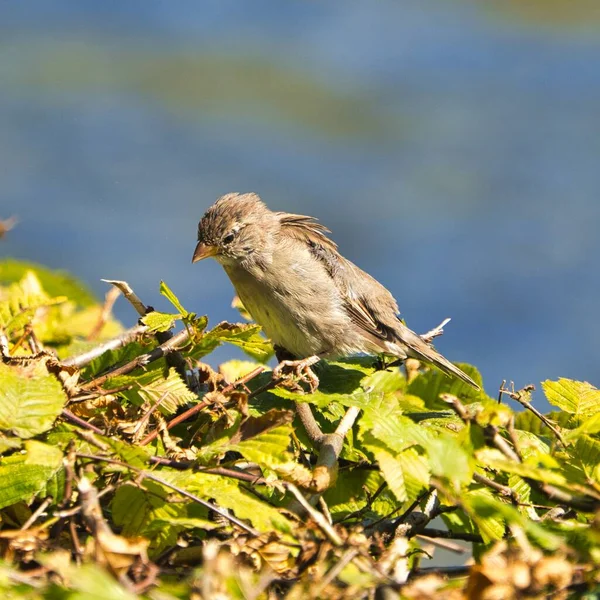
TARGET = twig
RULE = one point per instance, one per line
(412, 523)
(70, 512)
(330, 447)
(491, 431)
(512, 434)
(109, 301)
(83, 359)
(243, 380)
(451, 535)
(184, 416)
(435, 332)
(456, 571)
(581, 503)
(304, 412)
(554, 514)
(40, 509)
(266, 387)
(77, 549)
(67, 414)
(444, 544)
(188, 414)
(174, 359)
(370, 499)
(7, 224)
(142, 360)
(141, 422)
(345, 559)
(386, 526)
(316, 516)
(147, 475)
(520, 397)
(498, 487)
(129, 294)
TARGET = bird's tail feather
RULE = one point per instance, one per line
(431, 356)
(417, 348)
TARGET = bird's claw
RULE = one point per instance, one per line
(301, 369)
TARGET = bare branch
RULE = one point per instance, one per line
(451, 535)
(491, 431)
(67, 414)
(316, 516)
(81, 360)
(148, 475)
(126, 290)
(435, 332)
(164, 349)
(521, 397)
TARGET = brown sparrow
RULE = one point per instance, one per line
(310, 301)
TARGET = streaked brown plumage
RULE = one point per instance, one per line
(309, 299)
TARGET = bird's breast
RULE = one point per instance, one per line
(298, 310)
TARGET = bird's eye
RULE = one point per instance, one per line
(229, 238)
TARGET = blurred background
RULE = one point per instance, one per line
(453, 147)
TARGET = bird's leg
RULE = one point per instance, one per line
(300, 368)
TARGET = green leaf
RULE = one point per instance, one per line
(233, 370)
(587, 451)
(268, 449)
(166, 291)
(112, 358)
(9, 443)
(151, 386)
(390, 437)
(132, 454)
(330, 401)
(448, 459)
(576, 397)
(350, 494)
(529, 470)
(432, 383)
(416, 471)
(157, 321)
(480, 507)
(387, 424)
(21, 301)
(589, 426)
(85, 582)
(30, 399)
(148, 511)
(486, 509)
(391, 469)
(527, 421)
(385, 381)
(132, 507)
(245, 336)
(23, 476)
(227, 493)
(55, 283)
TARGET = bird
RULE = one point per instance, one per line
(311, 302)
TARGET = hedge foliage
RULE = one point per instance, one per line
(129, 467)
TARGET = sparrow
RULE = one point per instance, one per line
(310, 301)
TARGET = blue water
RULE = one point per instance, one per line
(453, 149)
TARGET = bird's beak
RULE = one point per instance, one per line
(203, 251)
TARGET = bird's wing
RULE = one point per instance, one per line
(307, 229)
(371, 306)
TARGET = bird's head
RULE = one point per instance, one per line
(236, 228)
